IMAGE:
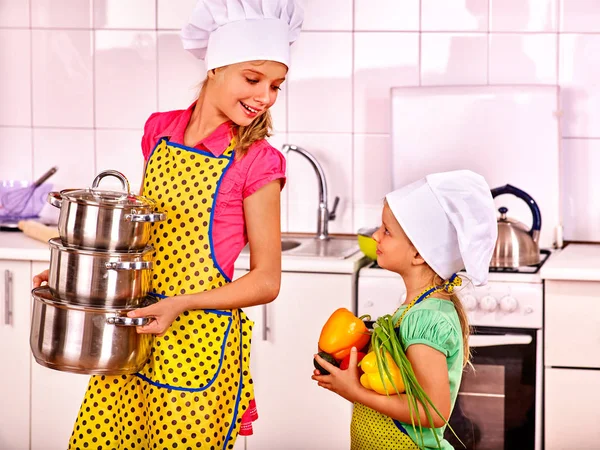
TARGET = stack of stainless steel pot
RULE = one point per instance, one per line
(100, 269)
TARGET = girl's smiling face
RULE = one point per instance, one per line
(395, 252)
(244, 91)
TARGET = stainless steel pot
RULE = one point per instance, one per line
(106, 279)
(104, 220)
(85, 340)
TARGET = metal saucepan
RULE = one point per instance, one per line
(104, 220)
(106, 279)
(86, 340)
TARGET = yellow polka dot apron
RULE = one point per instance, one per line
(196, 384)
(371, 430)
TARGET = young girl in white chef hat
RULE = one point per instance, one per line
(210, 169)
(431, 229)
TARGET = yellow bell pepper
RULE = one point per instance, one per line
(370, 379)
(342, 331)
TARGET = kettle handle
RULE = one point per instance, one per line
(535, 210)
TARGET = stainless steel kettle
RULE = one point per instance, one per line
(516, 245)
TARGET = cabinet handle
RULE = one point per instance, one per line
(265, 329)
(7, 297)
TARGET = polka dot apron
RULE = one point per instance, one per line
(196, 385)
(371, 430)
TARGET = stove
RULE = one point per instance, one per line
(499, 403)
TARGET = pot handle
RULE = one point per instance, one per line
(122, 321)
(536, 226)
(55, 199)
(129, 265)
(156, 217)
(112, 173)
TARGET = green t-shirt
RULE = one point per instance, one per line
(434, 322)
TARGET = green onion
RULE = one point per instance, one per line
(385, 339)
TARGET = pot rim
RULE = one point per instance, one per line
(132, 201)
(44, 295)
(57, 243)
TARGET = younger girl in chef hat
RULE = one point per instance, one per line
(431, 229)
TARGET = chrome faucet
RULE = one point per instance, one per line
(324, 215)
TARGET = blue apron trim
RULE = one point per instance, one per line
(181, 388)
(400, 426)
(239, 392)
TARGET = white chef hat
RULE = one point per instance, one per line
(224, 32)
(450, 218)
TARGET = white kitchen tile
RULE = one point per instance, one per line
(523, 58)
(579, 72)
(454, 15)
(386, 15)
(372, 177)
(277, 140)
(14, 13)
(177, 89)
(130, 14)
(61, 13)
(15, 73)
(523, 15)
(581, 189)
(327, 16)
(579, 15)
(126, 88)
(279, 109)
(174, 15)
(334, 153)
(72, 151)
(120, 150)
(62, 77)
(320, 83)
(454, 58)
(376, 70)
(16, 159)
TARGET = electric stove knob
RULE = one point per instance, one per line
(508, 304)
(470, 302)
(489, 303)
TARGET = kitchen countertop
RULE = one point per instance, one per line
(17, 246)
(576, 262)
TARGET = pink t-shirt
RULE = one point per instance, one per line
(261, 165)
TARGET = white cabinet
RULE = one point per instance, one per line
(15, 362)
(55, 400)
(572, 398)
(294, 413)
(571, 395)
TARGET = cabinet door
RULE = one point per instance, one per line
(55, 400)
(294, 413)
(15, 283)
(572, 311)
(571, 409)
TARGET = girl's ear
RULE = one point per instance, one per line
(417, 259)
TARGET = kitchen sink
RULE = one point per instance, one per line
(306, 245)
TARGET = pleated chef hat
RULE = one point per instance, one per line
(224, 32)
(450, 218)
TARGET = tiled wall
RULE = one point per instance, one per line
(78, 78)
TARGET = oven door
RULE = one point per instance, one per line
(498, 404)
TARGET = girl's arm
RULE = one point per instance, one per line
(260, 285)
(430, 369)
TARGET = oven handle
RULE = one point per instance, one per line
(478, 340)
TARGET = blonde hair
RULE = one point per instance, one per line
(260, 128)
(462, 318)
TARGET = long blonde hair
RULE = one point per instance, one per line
(260, 128)
(462, 318)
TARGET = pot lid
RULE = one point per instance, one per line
(115, 199)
